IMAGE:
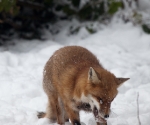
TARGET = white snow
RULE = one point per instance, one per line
(122, 48)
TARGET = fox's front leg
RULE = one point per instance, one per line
(73, 115)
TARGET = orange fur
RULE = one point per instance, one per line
(74, 75)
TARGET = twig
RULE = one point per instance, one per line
(138, 117)
(101, 123)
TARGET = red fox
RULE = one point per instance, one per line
(74, 80)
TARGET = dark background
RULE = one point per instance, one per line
(25, 18)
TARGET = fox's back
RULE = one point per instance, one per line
(73, 55)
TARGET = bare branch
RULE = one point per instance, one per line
(138, 117)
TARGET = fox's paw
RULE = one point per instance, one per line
(41, 114)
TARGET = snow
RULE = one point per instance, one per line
(122, 49)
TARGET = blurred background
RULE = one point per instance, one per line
(27, 19)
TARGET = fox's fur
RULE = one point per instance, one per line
(74, 80)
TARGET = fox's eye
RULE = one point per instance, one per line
(101, 102)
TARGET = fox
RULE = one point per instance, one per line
(75, 80)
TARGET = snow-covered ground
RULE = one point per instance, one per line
(121, 48)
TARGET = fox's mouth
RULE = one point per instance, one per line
(97, 117)
(95, 111)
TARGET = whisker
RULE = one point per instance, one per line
(118, 108)
(116, 118)
(113, 113)
(125, 104)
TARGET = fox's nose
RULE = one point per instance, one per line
(106, 116)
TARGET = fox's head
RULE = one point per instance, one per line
(100, 91)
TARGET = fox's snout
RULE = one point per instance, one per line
(105, 110)
(106, 116)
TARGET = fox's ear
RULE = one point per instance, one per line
(92, 76)
(120, 81)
